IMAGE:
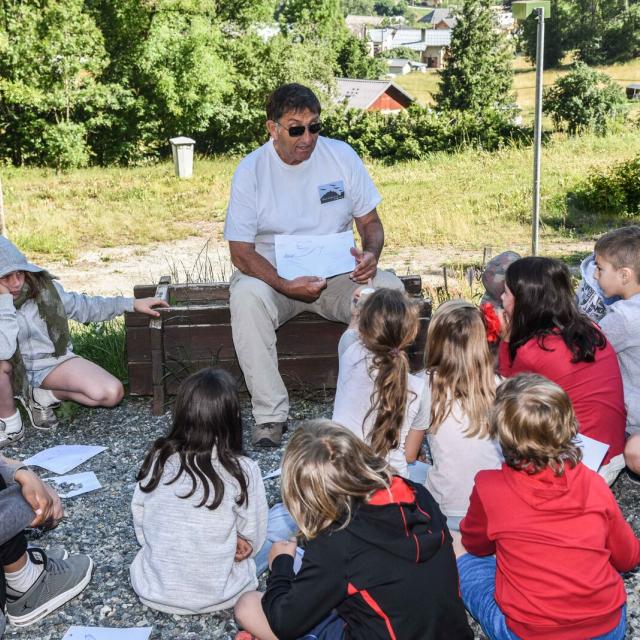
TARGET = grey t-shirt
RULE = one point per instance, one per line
(621, 326)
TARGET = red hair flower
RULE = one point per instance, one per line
(492, 322)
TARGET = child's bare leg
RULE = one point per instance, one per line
(632, 453)
(7, 403)
(250, 616)
(84, 382)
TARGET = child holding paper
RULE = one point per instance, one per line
(559, 538)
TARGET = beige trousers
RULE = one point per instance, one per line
(257, 311)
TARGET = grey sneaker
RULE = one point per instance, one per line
(42, 418)
(268, 434)
(59, 582)
(8, 438)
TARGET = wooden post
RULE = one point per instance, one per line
(446, 284)
(486, 256)
(157, 350)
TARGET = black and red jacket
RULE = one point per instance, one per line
(390, 574)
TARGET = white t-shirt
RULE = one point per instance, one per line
(457, 459)
(319, 196)
(353, 399)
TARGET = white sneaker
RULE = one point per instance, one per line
(11, 430)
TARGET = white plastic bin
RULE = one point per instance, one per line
(182, 150)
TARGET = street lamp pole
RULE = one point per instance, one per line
(537, 134)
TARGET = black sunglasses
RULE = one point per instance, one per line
(298, 130)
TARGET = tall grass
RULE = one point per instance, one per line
(103, 343)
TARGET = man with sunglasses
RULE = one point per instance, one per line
(296, 183)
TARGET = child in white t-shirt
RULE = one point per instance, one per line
(460, 388)
(376, 396)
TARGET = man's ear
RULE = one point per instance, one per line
(271, 128)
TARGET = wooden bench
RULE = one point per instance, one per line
(196, 332)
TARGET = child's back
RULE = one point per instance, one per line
(186, 564)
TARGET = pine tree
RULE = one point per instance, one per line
(556, 34)
(478, 71)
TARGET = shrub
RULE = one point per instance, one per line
(103, 343)
(65, 146)
(615, 191)
(585, 100)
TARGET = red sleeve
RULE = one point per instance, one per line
(474, 528)
(621, 541)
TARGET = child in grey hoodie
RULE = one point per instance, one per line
(37, 364)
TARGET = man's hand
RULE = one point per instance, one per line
(366, 266)
(41, 498)
(282, 547)
(146, 305)
(243, 549)
(305, 288)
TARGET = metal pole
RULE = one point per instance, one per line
(537, 134)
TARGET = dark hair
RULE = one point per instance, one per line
(291, 97)
(621, 247)
(206, 416)
(545, 305)
(36, 282)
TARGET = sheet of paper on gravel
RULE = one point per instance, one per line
(322, 256)
(74, 484)
(272, 474)
(107, 633)
(64, 457)
(593, 451)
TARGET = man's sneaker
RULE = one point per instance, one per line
(268, 434)
(42, 417)
(9, 437)
(59, 582)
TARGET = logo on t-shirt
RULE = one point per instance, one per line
(332, 191)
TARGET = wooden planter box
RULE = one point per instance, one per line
(196, 332)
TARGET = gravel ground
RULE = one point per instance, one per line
(99, 523)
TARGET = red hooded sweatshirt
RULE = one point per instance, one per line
(560, 543)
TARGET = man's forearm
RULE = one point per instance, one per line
(251, 263)
(373, 239)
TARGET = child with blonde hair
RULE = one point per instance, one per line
(559, 538)
(460, 388)
(378, 560)
(377, 398)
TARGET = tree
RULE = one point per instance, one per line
(584, 100)
(353, 60)
(621, 39)
(478, 70)
(401, 52)
(323, 18)
(590, 19)
(556, 29)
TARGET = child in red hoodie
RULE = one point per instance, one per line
(554, 526)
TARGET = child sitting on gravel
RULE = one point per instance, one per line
(199, 508)
(37, 364)
(559, 538)
(376, 396)
(618, 274)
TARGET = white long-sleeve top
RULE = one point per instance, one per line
(186, 564)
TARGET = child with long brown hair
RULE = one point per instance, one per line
(378, 560)
(377, 397)
(460, 388)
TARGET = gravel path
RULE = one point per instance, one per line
(99, 523)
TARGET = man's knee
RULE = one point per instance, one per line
(387, 280)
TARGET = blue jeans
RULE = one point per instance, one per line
(477, 588)
(331, 628)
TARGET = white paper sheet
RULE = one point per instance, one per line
(64, 457)
(272, 474)
(323, 256)
(593, 451)
(107, 633)
(75, 484)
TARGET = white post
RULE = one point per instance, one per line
(537, 134)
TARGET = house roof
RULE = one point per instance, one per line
(435, 16)
(363, 20)
(633, 85)
(380, 35)
(420, 39)
(361, 94)
(397, 62)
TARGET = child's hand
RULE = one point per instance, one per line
(41, 498)
(146, 305)
(4, 289)
(243, 549)
(282, 547)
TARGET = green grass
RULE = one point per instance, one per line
(103, 343)
(467, 199)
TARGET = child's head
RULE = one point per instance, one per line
(16, 270)
(387, 325)
(534, 422)
(618, 261)
(539, 300)
(206, 417)
(460, 364)
(326, 472)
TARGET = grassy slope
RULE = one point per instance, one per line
(466, 199)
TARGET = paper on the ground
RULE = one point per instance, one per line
(75, 484)
(323, 256)
(593, 451)
(107, 633)
(272, 474)
(64, 457)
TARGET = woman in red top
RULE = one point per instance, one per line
(550, 336)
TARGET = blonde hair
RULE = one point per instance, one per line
(460, 366)
(326, 472)
(388, 324)
(533, 420)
